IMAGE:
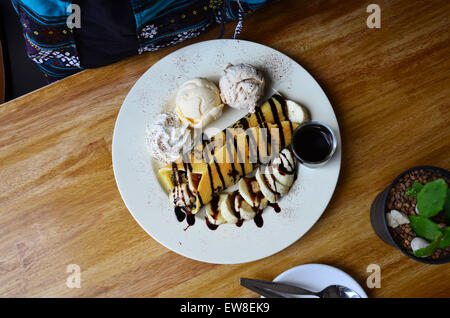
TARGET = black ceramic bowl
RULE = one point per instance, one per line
(378, 216)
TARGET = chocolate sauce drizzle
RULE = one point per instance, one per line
(276, 207)
(219, 173)
(277, 120)
(232, 201)
(239, 157)
(233, 173)
(182, 212)
(215, 210)
(179, 213)
(211, 226)
(258, 219)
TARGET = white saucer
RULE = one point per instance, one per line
(316, 277)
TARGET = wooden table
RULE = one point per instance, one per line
(59, 204)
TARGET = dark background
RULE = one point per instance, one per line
(22, 75)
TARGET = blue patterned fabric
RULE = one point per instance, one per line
(159, 23)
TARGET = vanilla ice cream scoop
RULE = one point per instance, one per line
(241, 86)
(198, 102)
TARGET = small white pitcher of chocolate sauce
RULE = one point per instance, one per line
(313, 143)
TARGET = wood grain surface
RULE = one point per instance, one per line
(390, 89)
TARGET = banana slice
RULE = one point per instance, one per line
(245, 210)
(284, 179)
(273, 184)
(270, 195)
(251, 192)
(296, 112)
(227, 208)
(213, 212)
(283, 168)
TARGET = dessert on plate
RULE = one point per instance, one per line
(252, 155)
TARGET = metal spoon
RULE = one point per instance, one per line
(273, 289)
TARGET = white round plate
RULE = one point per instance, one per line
(148, 202)
(316, 277)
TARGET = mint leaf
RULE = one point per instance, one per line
(431, 199)
(445, 241)
(427, 251)
(447, 207)
(414, 189)
(424, 227)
